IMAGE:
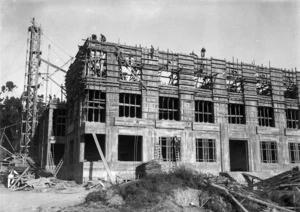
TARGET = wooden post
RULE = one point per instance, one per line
(102, 157)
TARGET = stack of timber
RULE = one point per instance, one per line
(151, 167)
(285, 179)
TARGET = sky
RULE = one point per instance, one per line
(260, 31)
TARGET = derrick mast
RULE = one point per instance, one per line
(29, 116)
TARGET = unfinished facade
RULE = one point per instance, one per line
(209, 114)
(50, 137)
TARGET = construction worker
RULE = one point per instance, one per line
(151, 52)
(102, 38)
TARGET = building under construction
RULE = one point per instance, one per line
(127, 105)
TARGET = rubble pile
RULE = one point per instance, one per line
(151, 167)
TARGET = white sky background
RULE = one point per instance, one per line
(254, 30)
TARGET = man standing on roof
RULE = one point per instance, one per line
(102, 38)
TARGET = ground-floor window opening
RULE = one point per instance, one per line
(57, 151)
(170, 148)
(294, 152)
(130, 148)
(90, 149)
(268, 151)
(205, 150)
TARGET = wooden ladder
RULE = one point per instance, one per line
(174, 164)
(51, 167)
(59, 165)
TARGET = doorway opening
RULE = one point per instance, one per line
(238, 150)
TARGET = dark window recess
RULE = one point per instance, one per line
(59, 122)
(130, 105)
(292, 118)
(204, 111)
(294, 152)
(170, 148)
(90, 149)
(95, 106)
(266, 116)
(58, 151)
(290, 84)
(268, 152)
(168, 108)
(205, 150)
(130, 148)
(236, 114)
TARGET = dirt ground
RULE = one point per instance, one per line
(11, 201)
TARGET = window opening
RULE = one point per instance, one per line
(59, 122)
(130, 148)
(170, 148)
(168, 108)
(263, 84)
(96, 104)
(204, 111)
(266, 116)
(290, 84)
(205, 150)
(130, 105)
(294, 152)
(90, 149)
(292, 118)
(268, 152)
(236, 114)
(234, 79)
(203, 76)
(97, 63)
(130, 67)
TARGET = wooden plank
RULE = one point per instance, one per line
(19, 178)
(102, 157)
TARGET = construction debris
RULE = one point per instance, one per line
(151, 167)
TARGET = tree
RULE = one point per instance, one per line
(10, 117)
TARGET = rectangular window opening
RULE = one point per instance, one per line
(96, 105)
(292, 118)
(266, 116)
(294, 152)
(204, 111)
(90, 149)
(168, 108)
(130, 105)
(205, 150)
(59, 122)
(236, 114)
(268, 152)
(130, 148)
(170, 148)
